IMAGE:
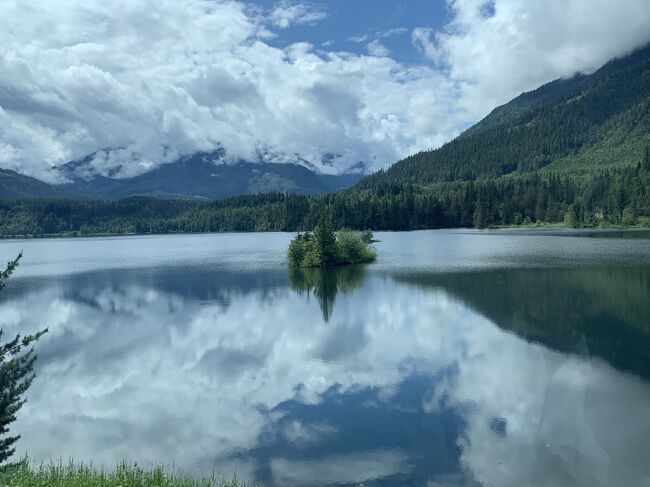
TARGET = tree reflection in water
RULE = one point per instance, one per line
(326, 282)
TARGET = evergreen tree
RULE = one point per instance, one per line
(325, 238)
(16, 375)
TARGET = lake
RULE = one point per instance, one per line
(461, 358)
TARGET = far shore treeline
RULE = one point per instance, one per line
(606, 198)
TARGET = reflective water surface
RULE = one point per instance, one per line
(496, 358)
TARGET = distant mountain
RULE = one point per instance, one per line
(337, 182)
(15, 185)
(569, 126)
(202, 176)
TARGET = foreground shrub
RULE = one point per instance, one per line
(353, 249)
(368, 237)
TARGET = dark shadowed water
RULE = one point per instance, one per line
(461, 358)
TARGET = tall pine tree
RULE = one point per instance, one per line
(16, 375)
(326, 238)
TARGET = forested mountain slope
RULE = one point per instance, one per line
(577, 125)
(15, 185)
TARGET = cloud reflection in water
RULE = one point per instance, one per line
(403, 383)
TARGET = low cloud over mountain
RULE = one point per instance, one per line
(156, 80)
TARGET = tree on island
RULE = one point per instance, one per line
(325, 240)
(16, 375)
(323, 247)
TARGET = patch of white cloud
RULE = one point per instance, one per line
(340, 469)
(393, 32)
(376, 48)
(421, 39)
(300, 433)
(287, 13)
(359, 39)
(497, 49)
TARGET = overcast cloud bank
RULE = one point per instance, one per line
(154, 80)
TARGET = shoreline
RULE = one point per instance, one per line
(542, 226)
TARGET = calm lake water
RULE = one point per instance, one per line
(461, 358)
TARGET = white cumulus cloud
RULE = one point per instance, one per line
(153, 80)
(497, 49)
(287, 13)
(376, 48)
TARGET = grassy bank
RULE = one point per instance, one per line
(71, 475)
(643, 223)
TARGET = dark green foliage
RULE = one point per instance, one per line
(351, 248)
(325, 240)
(15, 185)
(16, 375)
(303, 251)
(367, 236)
(324, 248)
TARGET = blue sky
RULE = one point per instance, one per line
(350, 25)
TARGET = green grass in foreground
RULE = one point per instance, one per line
(124, 475)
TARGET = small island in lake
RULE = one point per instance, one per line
(323, 247)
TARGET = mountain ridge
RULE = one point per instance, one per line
(553, 126)
(204, 176)
(16, 185)
(198, 176)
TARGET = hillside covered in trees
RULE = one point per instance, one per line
(574, 151)
(575, 126)
(618, 197)
(15, 185)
